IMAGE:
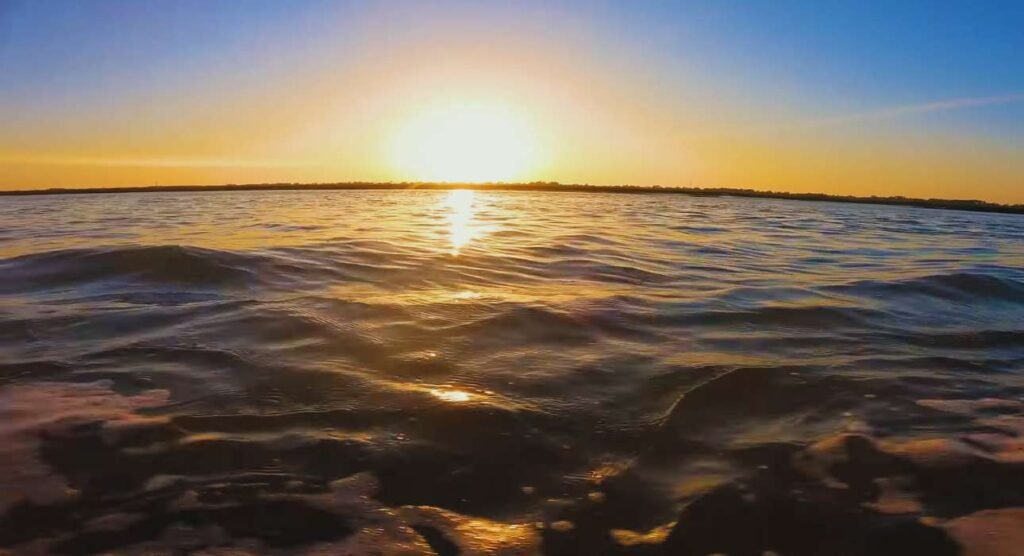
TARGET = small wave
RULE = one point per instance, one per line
(956, 286)
(965, 339)
(812, 316)
(165, 264)
(752, 393)
(528, 324)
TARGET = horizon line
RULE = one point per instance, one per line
(549, 186)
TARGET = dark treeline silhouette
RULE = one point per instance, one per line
(954, 204)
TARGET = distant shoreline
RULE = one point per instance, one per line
(950, 204)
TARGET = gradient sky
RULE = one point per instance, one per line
(888, 98)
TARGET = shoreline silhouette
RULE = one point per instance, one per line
(949, 204)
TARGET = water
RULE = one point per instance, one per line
(458, 372)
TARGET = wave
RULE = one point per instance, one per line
(184, 272)
(165, 264)
(951, 286)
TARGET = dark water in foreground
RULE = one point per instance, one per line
(508, 373)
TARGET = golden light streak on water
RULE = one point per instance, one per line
(451, 395)
(461, 212)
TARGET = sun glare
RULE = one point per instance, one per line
(465, 143)
(450, 395)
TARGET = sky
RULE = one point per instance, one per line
(922, 99)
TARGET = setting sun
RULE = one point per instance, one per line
(465, 143)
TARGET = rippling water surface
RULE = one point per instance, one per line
(507, 373)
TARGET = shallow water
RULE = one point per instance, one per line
(459, 372)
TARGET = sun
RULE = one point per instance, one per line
(465, 142)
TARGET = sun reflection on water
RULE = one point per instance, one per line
(450, 395)
(461, 216)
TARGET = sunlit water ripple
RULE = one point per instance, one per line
(450, 372)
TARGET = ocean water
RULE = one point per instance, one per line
(420, 372)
